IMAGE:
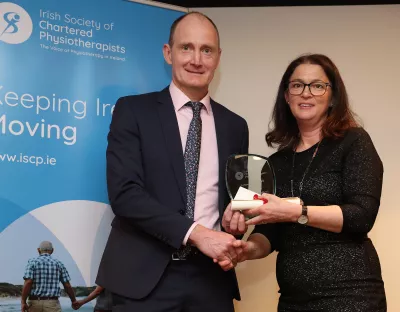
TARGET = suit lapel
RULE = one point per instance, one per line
(172, 137)
(223, 152)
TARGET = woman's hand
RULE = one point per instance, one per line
(77, 304)
(273, 211)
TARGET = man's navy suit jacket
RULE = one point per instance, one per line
(147, 191)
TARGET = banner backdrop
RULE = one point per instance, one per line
(63, 65)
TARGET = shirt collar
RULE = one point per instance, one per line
(179, 99)
(45, 254)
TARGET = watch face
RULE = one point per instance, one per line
(302, 219)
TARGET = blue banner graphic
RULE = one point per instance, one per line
(63, 66)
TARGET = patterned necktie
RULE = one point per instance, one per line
(192, 158)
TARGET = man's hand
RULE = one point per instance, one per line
(234, 221)
(24, 307)
(214, 244)
(243, 250)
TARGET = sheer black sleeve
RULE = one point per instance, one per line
(362, 184)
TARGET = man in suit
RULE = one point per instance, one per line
(165, 173)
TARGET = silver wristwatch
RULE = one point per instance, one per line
(303, 219)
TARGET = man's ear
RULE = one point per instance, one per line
(167, 51)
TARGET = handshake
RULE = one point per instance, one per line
(77, 304)
(223, 247)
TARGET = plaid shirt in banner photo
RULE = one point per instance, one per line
(46, 273)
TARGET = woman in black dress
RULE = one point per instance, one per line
(326, 262)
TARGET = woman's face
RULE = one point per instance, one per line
(309, 106)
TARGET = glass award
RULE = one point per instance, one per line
(247, 176)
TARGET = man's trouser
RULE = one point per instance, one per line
(52, 305)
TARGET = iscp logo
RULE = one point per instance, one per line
(15, 23)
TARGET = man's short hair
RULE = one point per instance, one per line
(179, 19)
(46, 246)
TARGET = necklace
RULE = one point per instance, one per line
(305, 171)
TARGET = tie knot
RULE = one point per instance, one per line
(196, 106)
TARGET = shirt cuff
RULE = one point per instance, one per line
(188, 233)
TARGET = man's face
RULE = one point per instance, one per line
(194, 54)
